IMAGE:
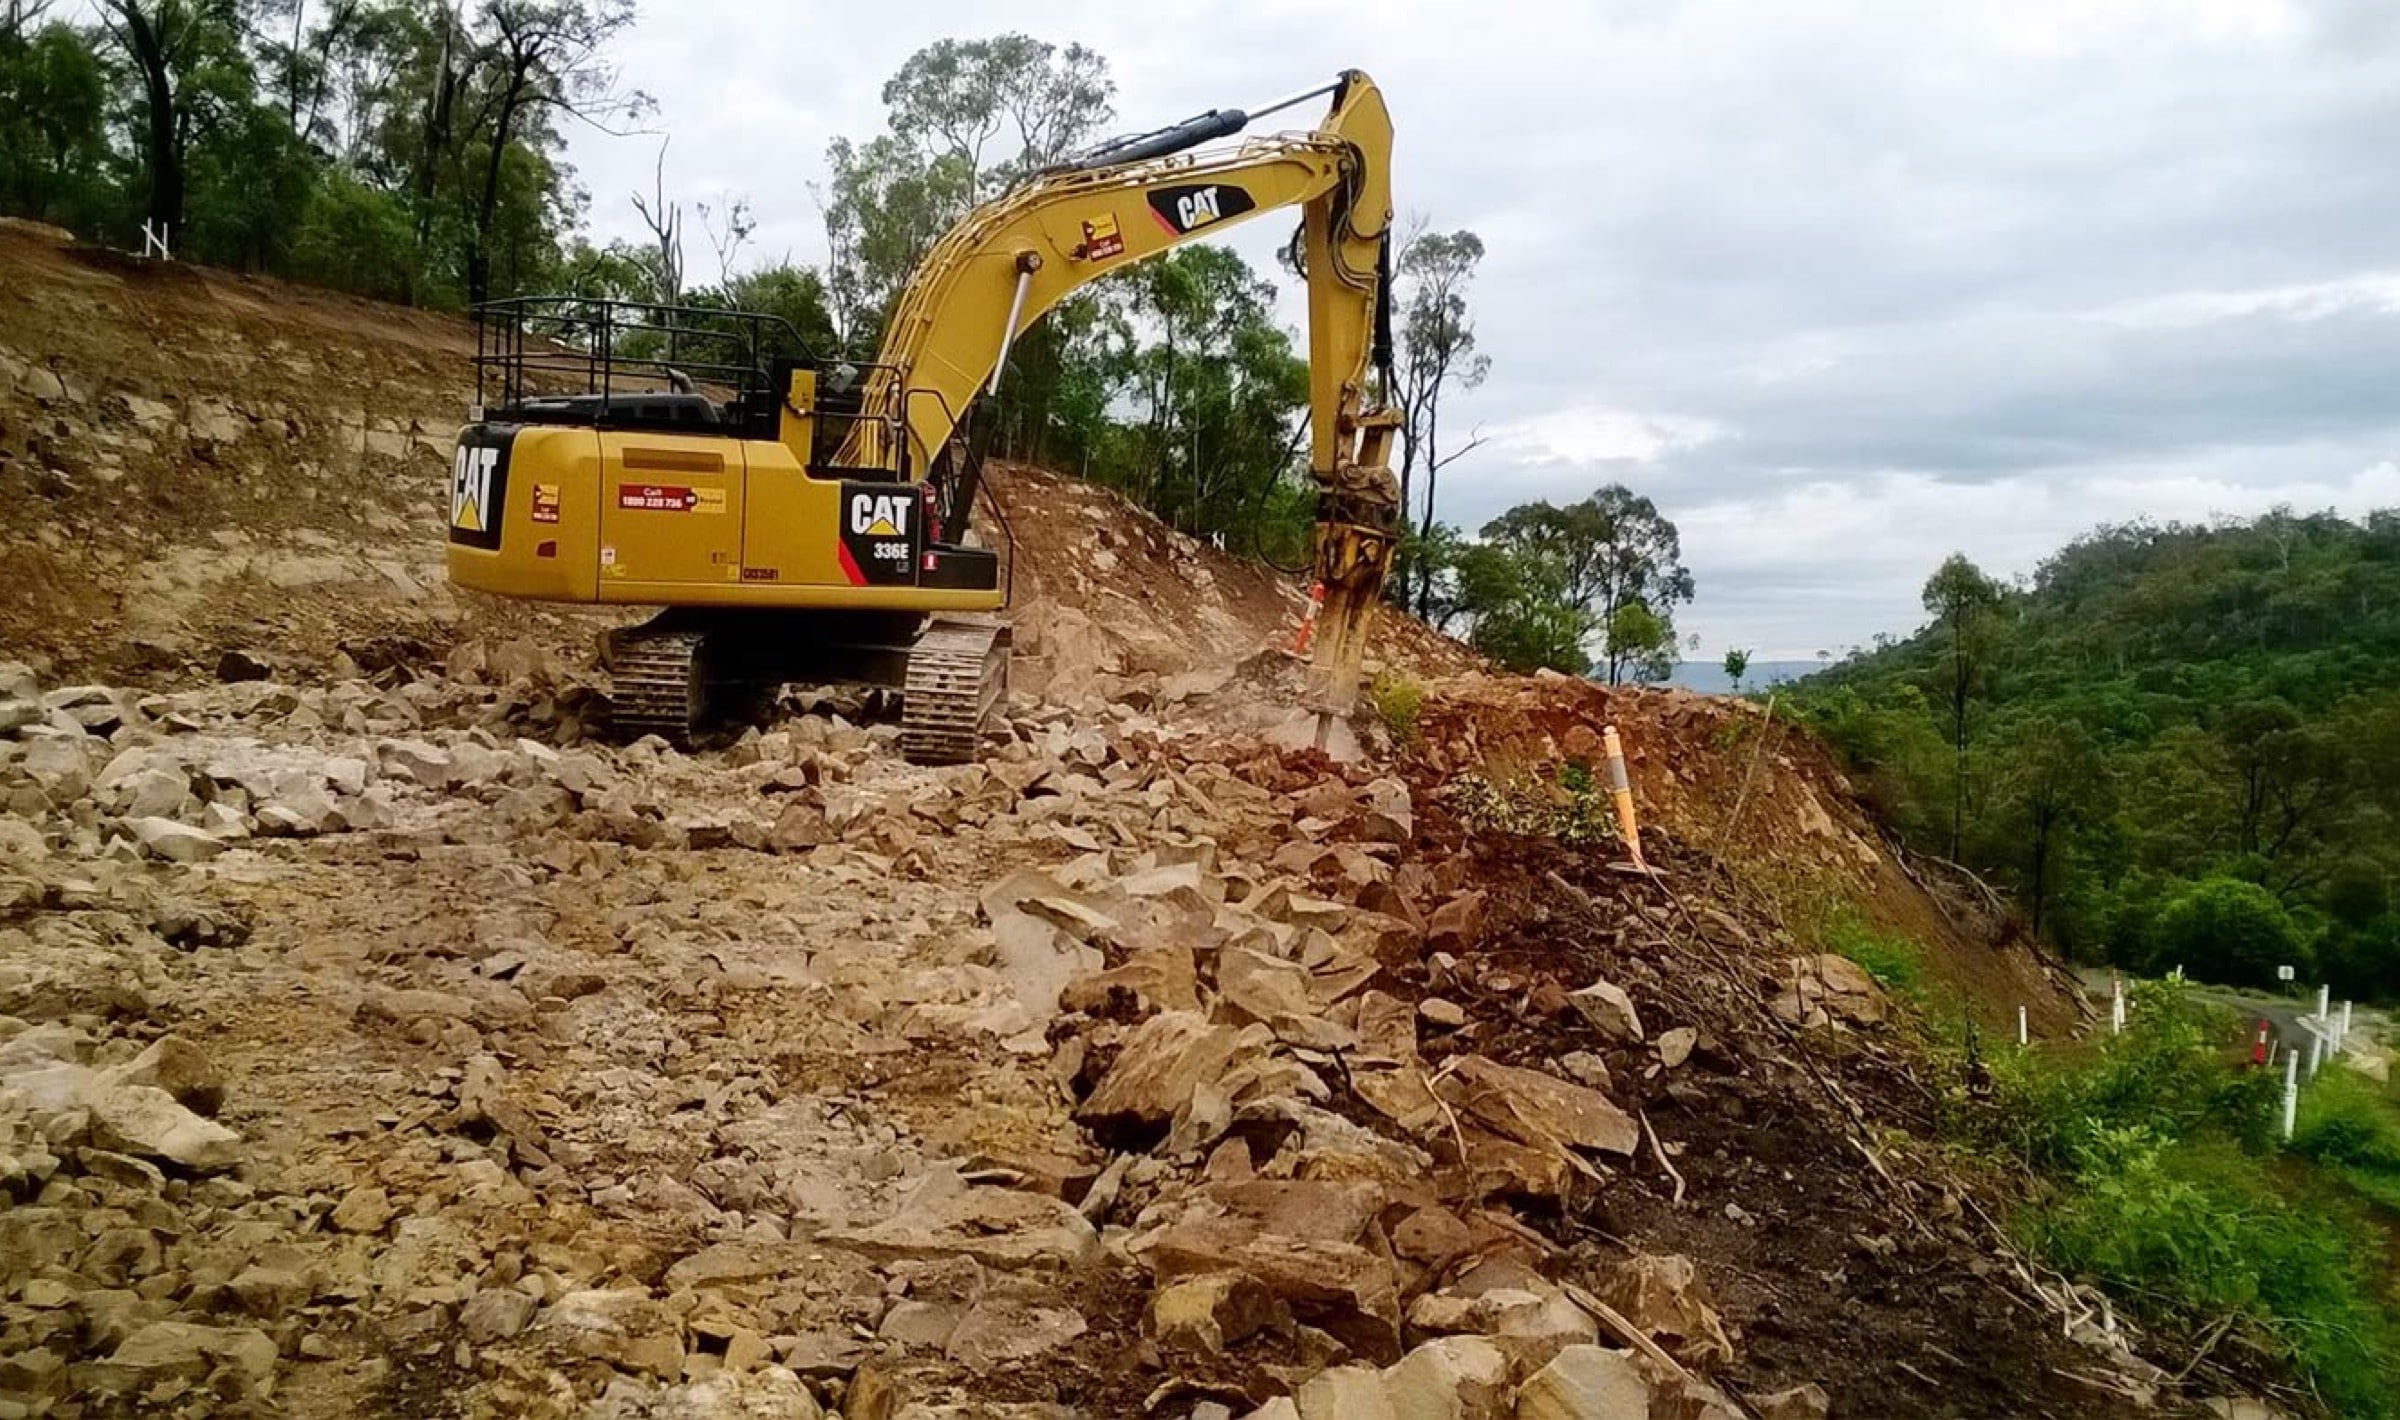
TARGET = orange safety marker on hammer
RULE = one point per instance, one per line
(1621, 786)
(1308, 619)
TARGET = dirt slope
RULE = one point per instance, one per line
(374, 1040)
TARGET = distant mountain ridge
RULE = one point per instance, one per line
(1709, 676)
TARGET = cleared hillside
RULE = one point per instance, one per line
(375, 1038)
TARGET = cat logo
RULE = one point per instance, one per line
(471, 488)
(880, 515)
(479, 487)
(1196, 209)
(1187, 207)
(880, 538)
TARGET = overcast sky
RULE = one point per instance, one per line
(1843, 286)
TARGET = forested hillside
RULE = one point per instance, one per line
(2180, 745)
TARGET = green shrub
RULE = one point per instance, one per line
(2347, 1120)
(2228, 931)
(2164, 1074)
(2191, 1231)
(1398, 702)
(2162, 1195)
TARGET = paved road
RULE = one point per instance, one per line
(2283, 1013)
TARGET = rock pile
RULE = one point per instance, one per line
(770, 1079)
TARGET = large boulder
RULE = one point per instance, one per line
(173, 841)
(1585, 1383)
(146, 1121)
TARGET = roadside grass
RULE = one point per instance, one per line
(2349, 1126)
(2162, 1187)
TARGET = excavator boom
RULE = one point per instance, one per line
(1011, 260)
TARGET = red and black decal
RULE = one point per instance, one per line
(882, 534)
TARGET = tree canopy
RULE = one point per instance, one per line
(2161, 707)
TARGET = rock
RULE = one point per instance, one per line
(622, 1327)
(1585, 1383)
(1387, 817)
(1316, 1247)
(1801, 1402)
(416, 761)
(1536, 1109)
(366, 1209)
(1003, 1331)
(300, 809)
(495, 1314)
(15, 715)
(1344, 1393)
(1165, 1064)
(1823, 989)
(184, 1349)
(1606, 1007)
(21, 841)
(59, 767)
(799, 827)
(175, 842)
(1441, 1014)
(1212, 1311)
(143, 784)
(1585, 1068)
(1662, 1296)
(237, 665)
(1456, 925)
(138, 1119)
(177, 1066)
(97, 708)
(926, 1326)
(735, 1393)
(820, 1355)
(1675, 1046)
(998, 1227)
(1453, 1378)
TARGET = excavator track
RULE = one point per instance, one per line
(659, 686)
(957, 672)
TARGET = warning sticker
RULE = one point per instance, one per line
(1101, 238)
(669, 498)
(545, 502)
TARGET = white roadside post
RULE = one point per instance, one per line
(2022, 1038)
(2325, 1005)
(2116, 1005)
(2291, 1092)
(2341, 1038)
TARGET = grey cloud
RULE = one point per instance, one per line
(1876, 247)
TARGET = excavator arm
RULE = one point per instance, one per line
(1012, 259)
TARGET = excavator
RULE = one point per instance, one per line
(803, 520)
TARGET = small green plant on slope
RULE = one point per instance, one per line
(1398, 702)
(1893, 960)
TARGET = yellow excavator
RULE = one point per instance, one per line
(802, 520)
